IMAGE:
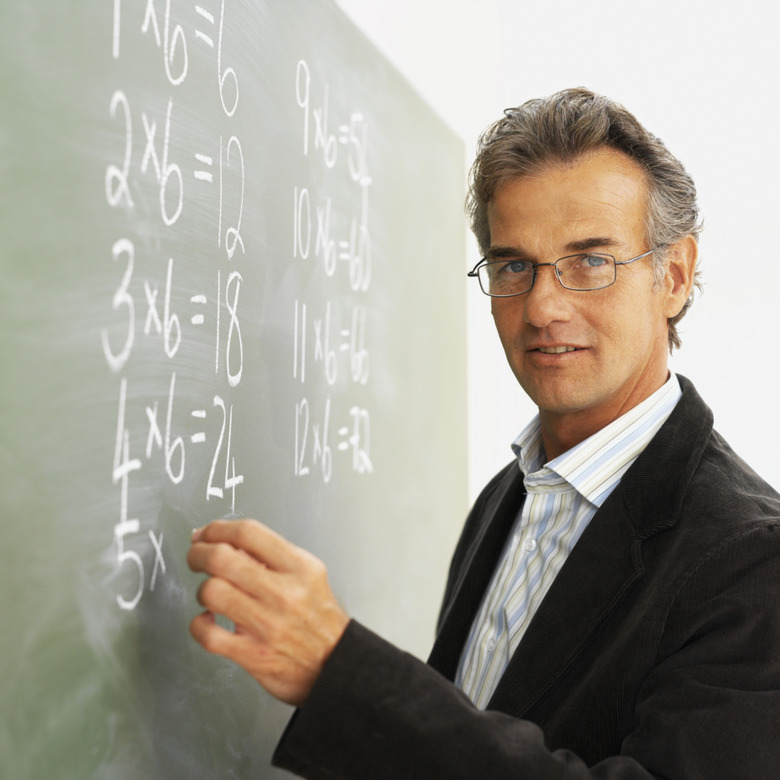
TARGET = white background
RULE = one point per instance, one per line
(704, 77)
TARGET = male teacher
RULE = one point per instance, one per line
(613, 606)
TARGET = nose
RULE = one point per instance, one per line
(546, 302)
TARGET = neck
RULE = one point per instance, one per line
(561, 433)
(563, 430)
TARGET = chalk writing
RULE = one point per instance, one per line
(330, 339)
(156, 325)
(146, 306)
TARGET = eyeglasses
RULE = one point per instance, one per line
(588, 271)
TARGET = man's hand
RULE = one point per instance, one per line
(287, 620)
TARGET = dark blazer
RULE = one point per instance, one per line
(655, 653)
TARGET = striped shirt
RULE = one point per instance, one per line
(562, 497)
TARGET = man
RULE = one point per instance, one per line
(611, 609)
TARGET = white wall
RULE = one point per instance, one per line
(701, 75)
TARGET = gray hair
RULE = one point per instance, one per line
(565, 126)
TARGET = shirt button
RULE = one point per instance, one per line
(529, 545)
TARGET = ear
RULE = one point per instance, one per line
(680, 275)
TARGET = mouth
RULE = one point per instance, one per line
(555, 350)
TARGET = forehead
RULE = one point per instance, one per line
(603, 193)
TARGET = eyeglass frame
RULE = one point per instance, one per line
(474, 272)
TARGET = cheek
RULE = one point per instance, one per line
(498, 309)
(497, 306)
(630, 330)
(508, 319)
(619, 309)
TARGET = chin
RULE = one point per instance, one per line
(557, 397)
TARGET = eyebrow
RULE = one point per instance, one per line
(582, 245)
(591, 243)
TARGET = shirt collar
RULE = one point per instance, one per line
(594, 466)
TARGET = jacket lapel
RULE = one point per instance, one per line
(472, 578)
(599, 570)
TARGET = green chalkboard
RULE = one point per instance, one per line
(231, 283)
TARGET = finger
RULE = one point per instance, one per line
(229, 566)
(254, 538)
(213, 637)
(219, 558)
(281, 676)
(220, 597)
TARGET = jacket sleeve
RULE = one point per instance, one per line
(377, 712)
(710, 707)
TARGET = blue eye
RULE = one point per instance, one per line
(516, 267)
(510, 268)
(594, 261)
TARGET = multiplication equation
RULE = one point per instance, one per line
(147, 306)
(331, 233)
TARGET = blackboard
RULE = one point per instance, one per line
(231, 283)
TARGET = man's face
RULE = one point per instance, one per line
(619, 333)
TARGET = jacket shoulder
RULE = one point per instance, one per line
(726, 485)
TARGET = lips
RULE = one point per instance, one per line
(556, 350)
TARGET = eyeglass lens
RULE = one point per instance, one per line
(576, 272)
